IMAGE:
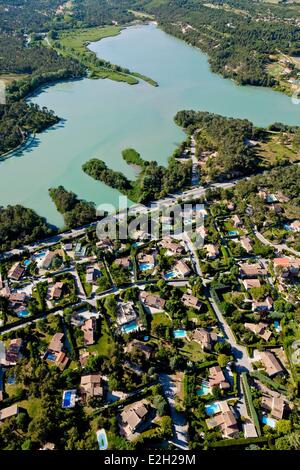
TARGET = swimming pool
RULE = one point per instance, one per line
(102, 439)
(68, 400)
(129, 327)
(170, 275)
(145, 266)
(51, 357)
(277, 326)
(179, 334)
(23, 314)
(213, 408)
(146, 338)
(203, 390)
(27, 262)
(269, 421)
(233, 233)
(39, 255)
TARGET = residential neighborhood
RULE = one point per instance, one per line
(155, 339)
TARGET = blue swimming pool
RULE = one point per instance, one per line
(233, 233)
(179, 334)
(39, 255)
(269, 421)
(51, 357)
(277, 326)
(129, 327)
(146, 338)
(145, 266)
(23, 313)
(170, 275)
(203, 390)
(69, 399)
(212, 408)
(27, 262)
(102, 439)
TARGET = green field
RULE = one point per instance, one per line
(74, 44)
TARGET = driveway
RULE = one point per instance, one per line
(179, 423)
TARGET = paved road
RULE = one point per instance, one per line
(179, 423)
(278, 247)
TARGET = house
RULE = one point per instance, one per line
(191, 301)
(265, 306)
(259, 329)
(182, 268)
(295, 226)
(212, 251)
(91, 386)
(287, 266)
(125, 313)
(205, 338)
(251, 283)
(17, 298)
(9, 412)
(124, 262)
(91, 275)
(13, 352)
(252, 270)
(146, 258)
(217, 379)
(237, 222)
(55, 291)
(80, 251)
(227, 423)
(152, 301)
(16, 272)
(89, 329)
(57, 343)
(47, 262)
(139, 345)
(68, 247)
(275, 405)
(132, 417)
(171, 247)
(246, 244)
(271, 363)
(249, 430)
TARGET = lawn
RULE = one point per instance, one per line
(161, 319)
(193, 351)
(33, 406)
(79, 39)
(105, 344)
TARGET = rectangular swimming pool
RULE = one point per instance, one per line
(145, 266)
(129, 327)
(179, 334)
(69, 399)
(212, 408)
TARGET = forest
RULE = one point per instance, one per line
(19, 225)
(76, 212)
(18, 120)
(153, 182)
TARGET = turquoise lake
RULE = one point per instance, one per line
(102, 117)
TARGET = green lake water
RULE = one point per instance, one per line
(102, 117)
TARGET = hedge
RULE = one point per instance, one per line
(267, 381)
(239, 442)
(249, 402)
